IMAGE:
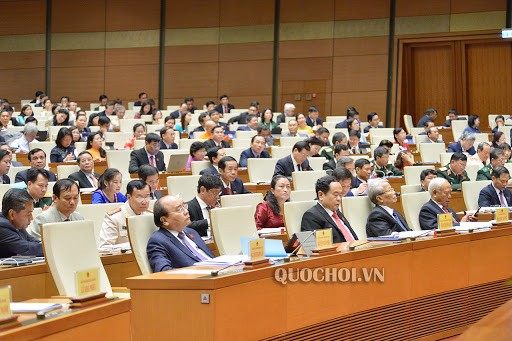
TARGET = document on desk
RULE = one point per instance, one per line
(478, 226)
(189, 271)
(21, 307)
(224, 260)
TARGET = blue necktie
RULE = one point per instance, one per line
(399, 221)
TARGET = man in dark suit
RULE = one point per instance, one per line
(214, 154)
(312, 119)
(37, 159)
(215, 117)
(174, 245)
(183, 110)
(242, 118)
(374, 122)
(257, 150)
(17, 207)
(150, 154)
(296, 162)
(86, 176)
(231, 184)
(252, 124)
(142, 98)
(149, 174)
(339, 150)
(465, 144)
(168, 136)
(430, 115)
(217, 139)
(189, 101)
(224, 107)
(326, 213)
(209, 188)
(440, 194)
(497, 193)
(383, 219)
(288, 111)
(344, 177)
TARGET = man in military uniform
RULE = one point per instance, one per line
(455, 171)
(339, 151)
(382, 168)
(497, 160)
(114, 228)
(37, 187)
(338, 138)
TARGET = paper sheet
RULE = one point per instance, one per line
(18, 307)
(188, 271)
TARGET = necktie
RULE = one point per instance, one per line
(446, 211)
(192, 249)
(67, 219)
(502, 200)
(344, 230)
(93, 180)
(299, 168)
(152, 160)
(399, 221)
(228, 190)
(258, 156)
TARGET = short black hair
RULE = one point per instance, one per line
(341, 173)
(313, 109)
(213, 152)
(209, 103)
(338, 137)
(196, 146)
(64, 185)
(430, 111)
(496, 153)
(168, 118)
(339, 147)
(34, 151)
(262, 128)
(145, 171)
(152, 137)
(103, 120)
(426, 172)
(224, 160)
(472, 119)
(300, 146)
(458, 156)
(209, 182)
(15, 199)
(380, 152)
(371, 115)
(386, 143)
(322, 130)
(354, 133)
(425, 124)
(159, 211)
(102, 97)
(202, 116)
(164, 130)
(250, 117)
(136, 125)
(360, 163)
(496, 172)
(135, 184)
(33, 173)
(188, 99)
(255, 136)
(85, 152)
(323, 184)
(499, 117)
(315, 141)
(223, 96)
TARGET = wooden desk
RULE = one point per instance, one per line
(110, 321)
(36, 280)
(432, 288)
(23, 158)
(496, 326)
(162, 177)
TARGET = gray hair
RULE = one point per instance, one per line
(342, 161)
(30, 128)
(119, 107)
(468, 136)
(375, 189)
(15, 199)
(482, 145)
(289, 106)
(435, 184)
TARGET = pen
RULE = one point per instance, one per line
(41, 314)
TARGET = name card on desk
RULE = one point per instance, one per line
(445, 221)
(87, 282)
(257, 249)
(5, 302)
(501, 214)
(323, 239)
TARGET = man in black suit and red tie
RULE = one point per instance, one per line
(231, 184)
(296, 162)
(150, 154)
(496, 193)
(326, 213)
(224, 107)
(209, 188)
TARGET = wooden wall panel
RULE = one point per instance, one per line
(192, 54)
(70, 16)
(21, 84)
(246, 13)
(306, 10)
(365, 102)
(132, 15)
(78, 58)
(134, 56)
(360, 73)
(361, 46)
(128, 81)
(406, 8)
(23, 17)
(305, 68)
(465, 6)
(246, 78)
(22, 60)
(249, 51)
(361, 9)
(489, 78)
(192, 13)
(306, 48)
(191, 79)
(82, 84)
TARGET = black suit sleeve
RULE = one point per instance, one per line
(428, 218)
(21, 243)
(485, 198)
(311, 222)
(377, 225)
(134, 162)
(280, 170)
(201, 226)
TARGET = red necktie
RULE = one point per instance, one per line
(152, 161)
(446, 211)
(228, 191)
(344, 230)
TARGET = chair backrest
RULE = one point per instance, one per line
(69, 247)
(96, 214)
(45, 145)
(303, 195)
(126, 124)
(198, 166)
(54, 130)
(408, 124)
(14, 170)
(244, 134)
(411, 205)
(430, 152)
(185, 186)
(458, 127)
(234, 152)
(293, 212)
(119, 139)
(63, 171)
(471, 191)
(445, 158)
(138, 144)
(316, 163)
(37, 211)
(289, 141)
(484, 137)
(80, 146)
(412, 174)
(229, 224)
(386, 132)
(410, 189)
(184, 144)
(472, 170)
(119, 159)
(356, 209)
(280, 152)
(241, 143)
(154, 128)
(261, 170)
(3, 189)
(306, 180)
(250, 199)
(140, 229)
(336, 119)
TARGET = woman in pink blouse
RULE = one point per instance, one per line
(269, 213)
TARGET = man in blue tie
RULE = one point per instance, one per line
(174, 245)
(383, 219)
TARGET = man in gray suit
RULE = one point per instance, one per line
(65, 200)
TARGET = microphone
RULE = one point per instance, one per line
(287, 259)
(215, 273)
(353, 247)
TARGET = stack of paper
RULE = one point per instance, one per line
(479, 226)
(224, 260)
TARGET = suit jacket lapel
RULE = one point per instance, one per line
(327, 217)
(178, 244)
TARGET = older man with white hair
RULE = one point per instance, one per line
(289, 111)
(440, 194)
(383, 219)
(21, 145)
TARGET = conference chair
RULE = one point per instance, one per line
(408, 124)
(458, 127)
(472, 170)
(336, 119)
(411, 204)
(140, 229)
(430, 152)
(306, 180)
(293, 212)
(45, 145)
(54, 130)
(492, 122)
(394, 150)
(410, 189)
(445, 158)
(412, 174)
(229, 224)
(243, 134)
(249, 199)
(138, 144)
(241, 143)
(154, 128)
(383, 132)
(3, 189)
(303, 195)
(356, 209)
(183, 186)
(280, 152)
(481, 138)
(63, 171)
(509, 167)
(119, 139)
(362, 126)
(198, 166)
(234, 152)
(120, 160)
(70, 247)
(471, 191)
(289, 141)
(15, 170)
(316, 163)
(261, 170)
(96, 214)
(126, 124)
(329, 125)
(80, 146)
(169, 107)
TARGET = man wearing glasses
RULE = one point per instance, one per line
(455, 171)
(174, 245)
(114, 228)
(150, 154)
(209, 188)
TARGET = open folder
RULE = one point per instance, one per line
(273, 247)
